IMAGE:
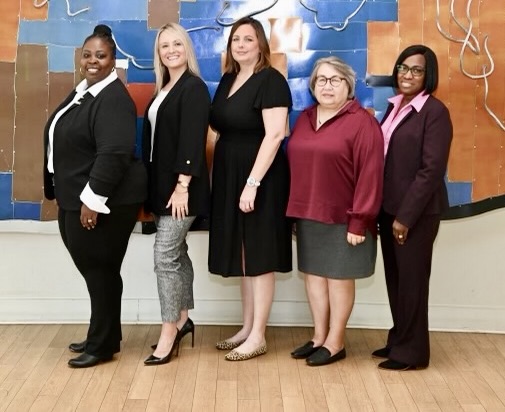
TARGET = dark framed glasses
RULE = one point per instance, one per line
(417, 71)
(335, 81)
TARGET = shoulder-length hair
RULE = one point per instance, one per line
(430, 71)
(230, 65)
(160, 71)
(346, 71)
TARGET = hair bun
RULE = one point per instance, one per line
(103, 30)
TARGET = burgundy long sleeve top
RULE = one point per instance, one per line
(337, 171)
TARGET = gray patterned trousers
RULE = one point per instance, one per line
(173, 266)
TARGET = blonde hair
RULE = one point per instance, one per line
(346, 71)
(160, 71)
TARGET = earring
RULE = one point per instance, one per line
(80, 71)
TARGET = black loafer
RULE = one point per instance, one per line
(323, 357)
(393, 365)
(304, 351)
(381, 353)
(85, 360)
(77, 347)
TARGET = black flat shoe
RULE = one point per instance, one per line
(381, 353)
(154, 360)
(393, 365)
(304, 351)
(85, 360)
(323, 357)
(77, 347)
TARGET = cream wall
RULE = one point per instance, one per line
(467, 288)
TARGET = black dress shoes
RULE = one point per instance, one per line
(393, 365)
(77, 347)
(154, 360)
(304, 351)
(323, 357)
(381, 353)
(188, 327)
(85, 360)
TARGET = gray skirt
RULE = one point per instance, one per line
(323, 250)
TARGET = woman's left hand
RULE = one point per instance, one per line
(354, 240)
(179, 203)
(89, 217)
(247, 199)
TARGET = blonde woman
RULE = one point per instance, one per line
(174, 138)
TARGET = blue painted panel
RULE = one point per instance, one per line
(210, 68)
(27, 210)
(6, 206)
(380, 100)
(212, 86)
(61, 58)
(134, 38)
(382, 11)
(136, 75)
(300, 93)
(208, 43)
(335, 13)
(293, 116)
(99, 9)
(58, 32)
(364, 93)
(353, 37)
(460, 193)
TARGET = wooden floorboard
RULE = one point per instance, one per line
(466, 373)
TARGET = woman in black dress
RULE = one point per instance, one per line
(249, 233)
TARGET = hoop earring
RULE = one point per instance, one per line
(80, 71)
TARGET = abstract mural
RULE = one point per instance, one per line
(40, 43)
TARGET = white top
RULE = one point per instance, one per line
(88, 197)
(152, 114)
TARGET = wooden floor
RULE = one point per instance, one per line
(467, 373)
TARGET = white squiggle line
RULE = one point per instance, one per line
(130, 57)
(475, 49)
(345, 23)
(72, 14)
(488, 109)
(39, 5)
(226, 4)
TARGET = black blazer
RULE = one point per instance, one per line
(416, 163)
(180, 138)
(94, 142)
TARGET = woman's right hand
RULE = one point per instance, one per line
(354, 239)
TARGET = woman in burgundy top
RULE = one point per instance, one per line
(336, 160)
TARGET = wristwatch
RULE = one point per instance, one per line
(252, 182)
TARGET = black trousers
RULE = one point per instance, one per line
(408, 269)
(98, 254)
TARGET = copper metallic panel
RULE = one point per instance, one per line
(161, 12)
(9, 30)
(280, 62)
(7, 113)
(31, 115)
(286, 34)
(410, 18)
(77, 65)
(60, 86)
(121, 73)
(49, 210)
(30, 12)
(141, 93)
(383, 46)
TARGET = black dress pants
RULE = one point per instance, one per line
(98, 254)
(407, 269)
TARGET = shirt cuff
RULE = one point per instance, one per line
(95, 202)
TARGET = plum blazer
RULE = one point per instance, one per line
(416, 163)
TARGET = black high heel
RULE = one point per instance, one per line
(154, 360)
(188, 327)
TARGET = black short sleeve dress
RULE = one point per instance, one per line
(265, 233)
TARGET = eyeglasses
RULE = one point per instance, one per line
(335, 81)
(415, 70)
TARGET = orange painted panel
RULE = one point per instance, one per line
(31, 83)
(383, 46)
(141, 94)
(7, 113)
(30, 12)
(9, 31)
(60, 86)
(49, 210)
(410, 18)
(286, 34)
(160, 12)
(280, 62)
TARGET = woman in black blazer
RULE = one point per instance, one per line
(173, 145)
(91, 171)
(417, 132)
